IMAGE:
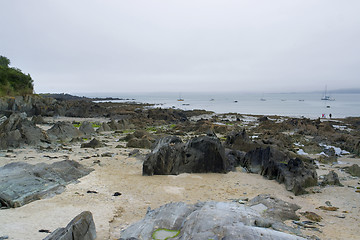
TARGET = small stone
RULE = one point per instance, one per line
(327, 208)
(44, 231)
(328, 203)
(91, 191)
(312, 216)
(117, 194)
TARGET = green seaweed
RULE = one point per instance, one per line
(175, 233)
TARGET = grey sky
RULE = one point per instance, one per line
(183, 45)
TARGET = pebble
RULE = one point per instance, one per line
(91, 191)
(4, 237)
(117, 194)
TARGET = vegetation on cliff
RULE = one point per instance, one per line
(13, 81)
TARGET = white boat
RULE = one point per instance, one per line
(327, 97)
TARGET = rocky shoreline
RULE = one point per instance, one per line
(76, 148)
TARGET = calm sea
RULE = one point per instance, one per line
(282, 104)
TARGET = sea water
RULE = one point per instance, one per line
(307, 105)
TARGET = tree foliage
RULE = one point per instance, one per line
(13, 81)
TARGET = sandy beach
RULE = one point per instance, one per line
(123, 174)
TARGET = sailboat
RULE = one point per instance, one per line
(180, 99)
(327, 97)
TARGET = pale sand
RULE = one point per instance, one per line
(124, 174)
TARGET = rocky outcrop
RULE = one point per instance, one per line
(240, 141)
(17, 130)
(199, 155)
(64, 131)
(204, 220)
(82, 227)
(21, 183)
(274, 164)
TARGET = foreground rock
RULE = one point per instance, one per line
(274, 164)
(82, 227)
(22, 183)
(199, 155)
(17, 130)
(204, 220)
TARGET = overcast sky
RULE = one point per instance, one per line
(183, 45)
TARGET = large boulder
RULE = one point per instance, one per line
(199, 155)
(274, 164)
(17, 130)
(203, 220)
(21, 183)
(64, 131)
(82, 227)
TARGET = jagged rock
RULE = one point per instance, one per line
(64, 131)
(94, 143)
(86, 128)
(331, 178)
(198, 155)
(21, 183)
(234, 158)
(82, 227)
(275, 208)
(205, 220)
(240, 141)
(17, 130)
(274, 164)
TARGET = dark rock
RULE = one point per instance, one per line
(94, 143)
(82, 227)
(205, 220)
(234, 158)
(274, 164)
(276, 208)
(331, 179)
(91, 191)
(116, 194)
(198, 155)
(64, 131)
(87, 129)
(240, 141)
(21, 183)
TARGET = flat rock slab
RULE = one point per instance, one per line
(204, 220)
(22, 183)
